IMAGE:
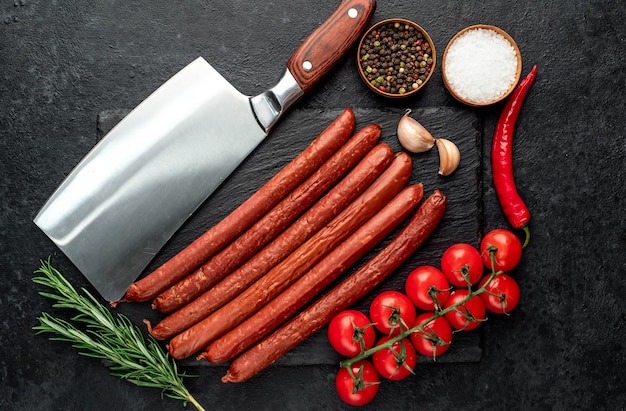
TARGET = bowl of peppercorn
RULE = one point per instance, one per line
(396, 58)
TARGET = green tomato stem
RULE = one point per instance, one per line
(420, 327)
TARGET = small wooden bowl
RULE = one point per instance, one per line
(469, 100)
(370, 79)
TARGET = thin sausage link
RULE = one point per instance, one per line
(290, 269)
(322, 212)
(271, 224)
(318, 314)
(327, 143)
(310, 284)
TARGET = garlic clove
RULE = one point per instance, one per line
(449, 156)
(413, 136)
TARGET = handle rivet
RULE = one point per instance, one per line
(307, 66)
(353, 13)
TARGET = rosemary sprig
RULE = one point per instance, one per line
(115, 339)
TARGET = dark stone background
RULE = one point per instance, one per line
(62, 63)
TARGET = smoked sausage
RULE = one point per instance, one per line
(297, 263)
(315, 280)
(362, 281)
(274, 190)
(316, 217)
(271, 224)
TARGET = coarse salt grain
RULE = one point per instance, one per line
(480, 65)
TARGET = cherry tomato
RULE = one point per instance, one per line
(461, 263)
(361, 391)
(507, 246)
(507, 294)
(392, 312)
(395, 363)
(424, 283)
(468, 315)
(350, 332)
(436, 337)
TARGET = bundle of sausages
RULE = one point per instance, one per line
(230, 291)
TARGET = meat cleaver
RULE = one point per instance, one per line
(127, 197)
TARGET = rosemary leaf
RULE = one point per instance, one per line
(114, 339)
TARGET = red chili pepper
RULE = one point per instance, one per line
(512, 204)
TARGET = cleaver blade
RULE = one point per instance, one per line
(126, 198)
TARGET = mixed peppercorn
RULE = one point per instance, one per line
(396, 58)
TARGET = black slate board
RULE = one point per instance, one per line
(462, 222)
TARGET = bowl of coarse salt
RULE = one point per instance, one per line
(481, 65)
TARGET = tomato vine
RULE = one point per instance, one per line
(459, 313)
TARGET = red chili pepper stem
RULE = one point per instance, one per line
(526, 230)
(513, 206)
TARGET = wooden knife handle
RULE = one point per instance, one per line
(328, 44)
